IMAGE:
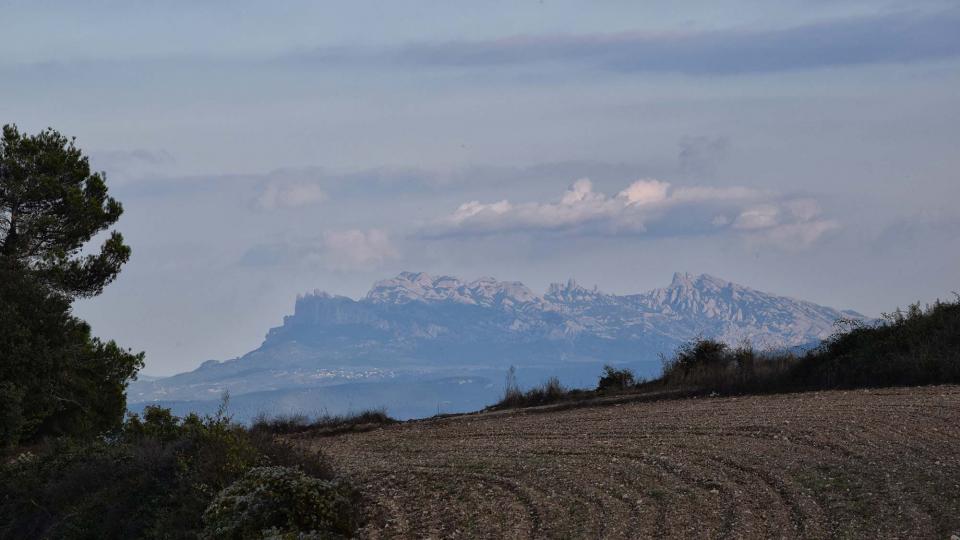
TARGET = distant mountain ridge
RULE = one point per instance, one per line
(416, 326)
(690, 305)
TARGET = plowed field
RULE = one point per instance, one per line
(872, 464)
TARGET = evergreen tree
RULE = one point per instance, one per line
(55, 378)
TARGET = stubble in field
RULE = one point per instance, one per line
(876, 463)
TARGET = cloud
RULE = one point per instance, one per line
(645, 192)
(278, 194)
(894, 37)
(701, 155)
(937, 226)
(123, 166)
(795, 235)
(336, 250)
(356, 249)
(646, 207)
(758, 217)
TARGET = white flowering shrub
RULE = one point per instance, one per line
(281, 502)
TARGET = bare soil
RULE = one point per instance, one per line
(862, 464)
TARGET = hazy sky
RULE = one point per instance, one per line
(805, 147)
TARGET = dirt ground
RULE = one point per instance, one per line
(863, 464)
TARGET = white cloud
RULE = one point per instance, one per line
(689, 194)
(644, 192)
(796, 235)
(289, 195)
(335, 250)
(355, 249)
(647, 206)
(758, 217)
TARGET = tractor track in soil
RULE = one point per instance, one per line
(859, 463)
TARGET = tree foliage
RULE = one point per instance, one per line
(55, 378)
(51, 205)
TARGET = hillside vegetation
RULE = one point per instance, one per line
(906, 348)
(161, 476)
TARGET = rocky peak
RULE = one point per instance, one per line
(422, 287)
(571, 292)
(690, 305)
(687, 280)
(681, 279)
(413, 286)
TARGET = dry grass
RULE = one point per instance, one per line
(877, 463)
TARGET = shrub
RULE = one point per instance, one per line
(551, 391)
(614, 379)
(322, 425)
(711, 365)
(697, 361)
(152, 479)
(912, 347)
(916, 346)
(280, 501)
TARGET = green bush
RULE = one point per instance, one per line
(913, 347)
(153, 479)
(710, 365)
(280, 501)
(614, 379)
(327, 424)
(916, 346)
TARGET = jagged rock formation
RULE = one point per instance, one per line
(416, 325)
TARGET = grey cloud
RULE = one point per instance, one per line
(899, 37)
(908, 232)
(337, 250)
(278, 195)
(127, 165)
(701, 155)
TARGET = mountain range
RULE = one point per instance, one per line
(447, 341)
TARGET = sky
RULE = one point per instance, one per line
(266, 149)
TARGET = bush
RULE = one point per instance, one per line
(916, 346)
(710, 365)
(551, 391)
(152, 479)
(322, 425)
(280, 501)
(913, 347)
(614, 379)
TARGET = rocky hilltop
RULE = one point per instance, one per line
(418, 306)
(416, 327)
